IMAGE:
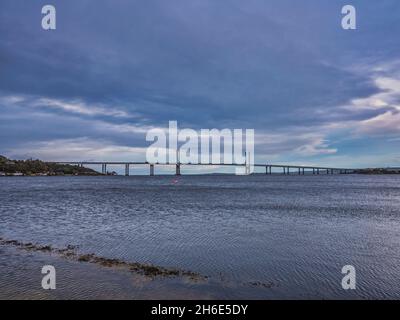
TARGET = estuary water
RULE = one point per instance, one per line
(254, 237)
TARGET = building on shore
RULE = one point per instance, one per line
(17, 174)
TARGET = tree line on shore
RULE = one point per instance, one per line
(38, 167)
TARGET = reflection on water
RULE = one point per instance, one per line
(254, 237)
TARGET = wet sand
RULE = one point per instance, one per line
(113, 278)
(70, 252)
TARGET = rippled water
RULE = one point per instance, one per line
(292, 232)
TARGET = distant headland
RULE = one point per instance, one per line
(33, 167)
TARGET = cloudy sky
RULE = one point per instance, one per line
(90, 90)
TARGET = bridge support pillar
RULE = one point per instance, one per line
(127, 169)
(299, 171)
(317, 171)
(284, 170)
(303, 172)
(178, 169)
(152, 169)
(104, 168)
(288, 170)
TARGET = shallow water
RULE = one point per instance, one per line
(291, 233)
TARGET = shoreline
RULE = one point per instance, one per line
(189, 174)
(147, 273)
(71, 252)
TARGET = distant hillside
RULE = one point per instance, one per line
(37, 167)
(378, 171)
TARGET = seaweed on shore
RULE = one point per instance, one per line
(267, 285)
(70, 252)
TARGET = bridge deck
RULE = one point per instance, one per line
(268, 167)
(286, 166)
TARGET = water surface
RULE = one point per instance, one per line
(255, 237)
